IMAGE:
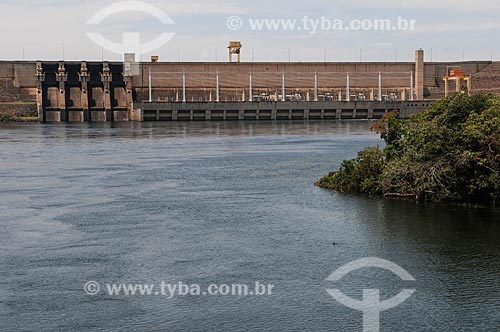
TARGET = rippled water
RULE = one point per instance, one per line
(223, 203)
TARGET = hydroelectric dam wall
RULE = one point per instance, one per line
(69, 91)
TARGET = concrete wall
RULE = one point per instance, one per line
(234, 79)
(331, 77)
(228, 111)
(18, 84)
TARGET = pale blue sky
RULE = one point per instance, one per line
(445, 26)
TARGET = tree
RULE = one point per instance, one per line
(450, 152)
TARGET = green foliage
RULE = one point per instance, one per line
(450, 152)
(360, 175)
(16, 117)
(6, 116)
(391, 129)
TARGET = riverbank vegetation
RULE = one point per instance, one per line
(450, 152)
(16, 116)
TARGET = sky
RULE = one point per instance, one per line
(448, 30)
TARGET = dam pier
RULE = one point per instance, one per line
(70, 91)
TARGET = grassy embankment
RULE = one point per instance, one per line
(17, 112)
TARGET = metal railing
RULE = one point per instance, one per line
(315, 81)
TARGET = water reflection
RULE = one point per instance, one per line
(223, 202)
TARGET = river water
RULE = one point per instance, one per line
(223, 203)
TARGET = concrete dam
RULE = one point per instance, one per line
(67, 91)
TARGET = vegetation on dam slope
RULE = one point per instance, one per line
(450, 152)
(18, 112)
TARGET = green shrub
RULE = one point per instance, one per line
(450, 152)
(6, 116)
(360, 175)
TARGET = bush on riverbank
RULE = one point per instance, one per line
(450, 152)
(18, 112)
(15, 117)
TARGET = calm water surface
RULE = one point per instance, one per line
(224, 203)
